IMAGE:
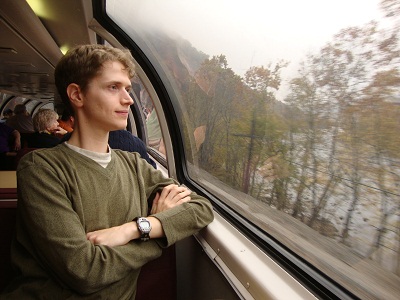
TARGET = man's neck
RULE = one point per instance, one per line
(96, 141)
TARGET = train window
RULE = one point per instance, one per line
(289, 113)
(32, 105)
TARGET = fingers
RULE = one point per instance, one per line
(178, 193)
(171, 191)
(171, 196)
(155, 201)
(172, 188)
(60, 130)
(155, 204)
(183, 196)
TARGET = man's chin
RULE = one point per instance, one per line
(121, 126)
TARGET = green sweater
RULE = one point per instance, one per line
(62, 195)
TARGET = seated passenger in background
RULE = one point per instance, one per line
(21, 120)
(10, 140)
(66, 121)
(46, 129)
(6, 115)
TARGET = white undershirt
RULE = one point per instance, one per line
(101, 158)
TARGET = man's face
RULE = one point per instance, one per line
(107, 100)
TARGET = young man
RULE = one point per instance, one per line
(85, 226)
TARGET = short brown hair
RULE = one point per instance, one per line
(43, 119)
(82, 63)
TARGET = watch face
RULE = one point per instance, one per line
(145, 225)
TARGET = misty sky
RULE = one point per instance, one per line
(251, 32)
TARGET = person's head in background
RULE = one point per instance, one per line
(7, 113)
(20, 109)
(45, 121)
(67, 120)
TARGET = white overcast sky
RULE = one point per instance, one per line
(252, 32)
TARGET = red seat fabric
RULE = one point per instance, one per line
(8, 193)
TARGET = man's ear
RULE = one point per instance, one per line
(75, 94)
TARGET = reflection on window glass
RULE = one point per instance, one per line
(292, 110)
(153, 129)
(30, 104)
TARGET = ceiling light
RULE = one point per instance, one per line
(64, 49)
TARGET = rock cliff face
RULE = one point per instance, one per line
(179, 57)
(182, 61)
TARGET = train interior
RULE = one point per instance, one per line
(234, 257)
(28, 56)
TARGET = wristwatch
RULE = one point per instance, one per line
(144, 227)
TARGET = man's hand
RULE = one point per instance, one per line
(17, 145)
(172, 195)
